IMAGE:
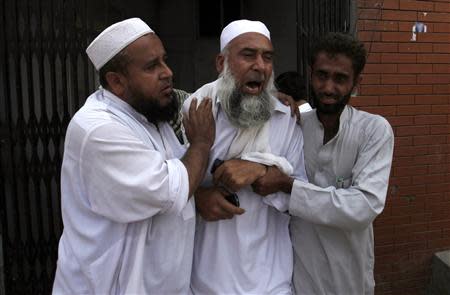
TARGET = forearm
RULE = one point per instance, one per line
(196, 161)
(348, 209)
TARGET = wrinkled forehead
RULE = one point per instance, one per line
(251, 40)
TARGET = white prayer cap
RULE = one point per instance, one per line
(115, 38)
(239, 27)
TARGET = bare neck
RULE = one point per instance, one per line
(330, 124)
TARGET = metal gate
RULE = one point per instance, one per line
(44, 78)
(317, 17)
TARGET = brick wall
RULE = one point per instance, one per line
(408, 82)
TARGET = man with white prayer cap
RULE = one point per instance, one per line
(242, 243)
(126, 181)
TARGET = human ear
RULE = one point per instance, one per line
(220, 61)
(117, 83)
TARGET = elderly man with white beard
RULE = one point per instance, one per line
(245, 247)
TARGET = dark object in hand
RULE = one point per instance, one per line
(231, 196)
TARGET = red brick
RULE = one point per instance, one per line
(441, 69)
(402, 141)
(440, 109)
(383, 111)
(412, 130)
(434, 58)
(438, 244)
(396, 100)
(398, 58)
(418, 245)
(429, 179)
(391, 221)
(425, 140)
(412, 209)
(390, 4)
(371, 79)
(441, 89)
(382, 47)
(398, 79)
(378, 68)
(430, 119)
(414, 110)
(427, 159)
(416, 5)
(395, 36)
(369, 36)
(432, 37)
(442, 7)
(415, 47)
(368, 3)
(405, 26)
(375, 25)
(400, 181)
(400, 120)
(369, 13)
(364, 100)
(415, 68)
(441, 48)
(410, 151)
(441, 28)
(440, 129)
(399, 15)
(415, 89)
(438, 148)
(437, 188)
(403, 171)
(434, 17)
(442, 224)
(431, 99)
(378, 89)
(374, 58)
(433, 78)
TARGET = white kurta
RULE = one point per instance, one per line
(250, 253)
(128, 225)
(332, 232)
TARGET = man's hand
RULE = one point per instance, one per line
(200, 126)
(290, 102)
(212, 206)
(273, 181)
(235, 174)
(200, 131)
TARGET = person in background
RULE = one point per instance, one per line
(292, 84)
(126, 181)
(242, 243)
(348, 156)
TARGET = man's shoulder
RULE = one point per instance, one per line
(207, 90)
(371, 124)
(366, 119)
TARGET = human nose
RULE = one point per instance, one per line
(166, 72)
(329, 87)
(259, 63)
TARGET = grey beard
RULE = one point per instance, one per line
(244, 110)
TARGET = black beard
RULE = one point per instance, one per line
(153, 111)
(337, 108)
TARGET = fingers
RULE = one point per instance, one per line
(212, 205)
(230, 208)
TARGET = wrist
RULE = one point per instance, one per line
(286, 184)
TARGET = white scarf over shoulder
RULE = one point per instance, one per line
(251, 144)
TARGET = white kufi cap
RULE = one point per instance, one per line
(115, 38)
(239, 27)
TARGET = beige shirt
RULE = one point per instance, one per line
(332, 229)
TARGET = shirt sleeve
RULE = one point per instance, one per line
(356, 206)
(294, 155)
(125, 180)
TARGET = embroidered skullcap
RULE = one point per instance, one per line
(239, 27)
(115, 38)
